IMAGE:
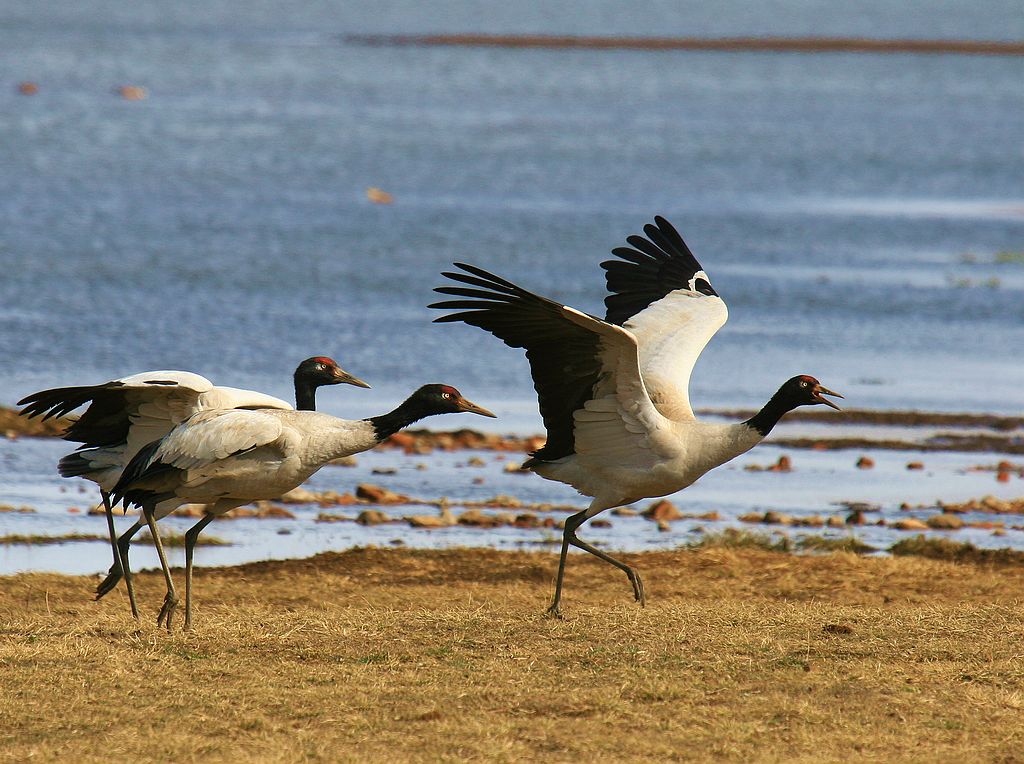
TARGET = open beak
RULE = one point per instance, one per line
(342, 377)
(471, 408)
(820, 391)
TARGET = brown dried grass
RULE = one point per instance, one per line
(400, 655)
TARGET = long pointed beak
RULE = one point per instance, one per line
(342, 377)
(471, 408)
(820, 391)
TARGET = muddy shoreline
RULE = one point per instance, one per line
(746, 43)
(989, 433)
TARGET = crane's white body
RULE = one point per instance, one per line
(637, 437)
(154, 403)
(227, 458)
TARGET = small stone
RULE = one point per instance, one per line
(372, 517)
(751, 517)
(910, 524)
(476, 461)
(812, 521)
(945, 521)
(299, 496)
(625, 512)
(835, 522)
(915, 465)
(663, 526)
(503, 500)
(865, 463)
(527, 520)
(378, 495)
(514, 467)
(662, 510)
(324, 517)
(274, 510)
(1003, 477)
(28, 88)
(478, 519)
(855, 518)
(784, 464)
(600, 523)
(776, 518)
(384, 471)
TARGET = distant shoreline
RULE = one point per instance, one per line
(746, 43)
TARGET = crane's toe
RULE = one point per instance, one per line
(167, 611)
(108, 584)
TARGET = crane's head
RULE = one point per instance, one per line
(445, 399)
(804, 390)
(321, 370)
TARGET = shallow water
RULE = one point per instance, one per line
(820, 483)
(849, 208)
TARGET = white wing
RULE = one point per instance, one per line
(126, 414)
(659, 291)
(616, 424)
(211, 436)
(671, 334)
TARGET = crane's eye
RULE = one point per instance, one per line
(804, 384)
(446, 396)
(321, 367)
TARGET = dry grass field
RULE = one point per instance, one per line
(399, 655)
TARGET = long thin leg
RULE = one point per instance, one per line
(569, 537)
(191, 536)
(571, 524)
(118, 561)
(631, 574)
(121, 562)
(171, 598)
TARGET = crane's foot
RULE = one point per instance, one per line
(167, 611)
(109, 583)
(638, 588)
(555, 611)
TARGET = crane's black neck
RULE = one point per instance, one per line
(765, 419)
(410, 411)
(305, 394)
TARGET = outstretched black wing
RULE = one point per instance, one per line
(564, 356)
(649, 269)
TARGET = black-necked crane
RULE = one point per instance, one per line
(227, 458)
(126, 414)
(613, 393)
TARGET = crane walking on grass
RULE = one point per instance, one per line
(126, 414)
(613, 393)
(227, 458)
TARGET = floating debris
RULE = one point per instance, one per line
(379, 196)
(132, 92)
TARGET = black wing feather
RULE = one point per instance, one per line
(653, 267)
(104, 423)
(130, 487)
(564, 357)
